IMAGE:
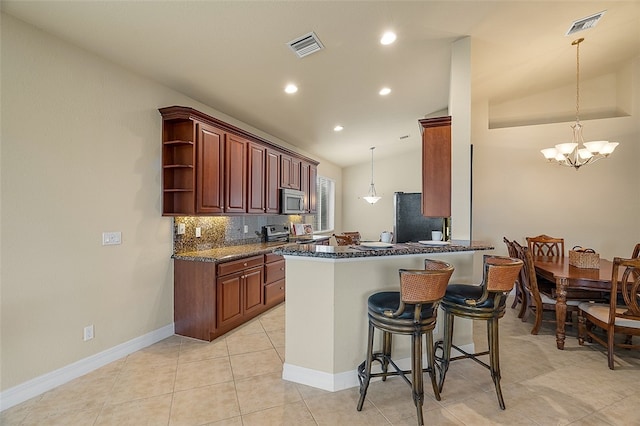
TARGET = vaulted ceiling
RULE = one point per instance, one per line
(233, 56)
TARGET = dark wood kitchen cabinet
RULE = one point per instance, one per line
(308, 185)
(178, 166)
(256, 193)
(264, 175)
(274, 279)
(211, 298)
(235, 167)
(290, 172)
(436, 167)
(194, 299)
(272, 182)
(239, 291)
(210, 167)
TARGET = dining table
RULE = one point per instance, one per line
(569, 278)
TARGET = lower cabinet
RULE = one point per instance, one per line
(239, 292)
(274, 273)
(211, 299)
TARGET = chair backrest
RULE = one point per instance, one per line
(425, 285)
(501, 273)
(355, 236)
(511, 249)
(528, 277)
(343, 240)
(628, 287)
(636, 251)
(544, 245)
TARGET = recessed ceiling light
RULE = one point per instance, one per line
(291, 88)
(338, 128)
(384, 91)
(388, 38)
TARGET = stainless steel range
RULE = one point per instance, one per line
(275, 233)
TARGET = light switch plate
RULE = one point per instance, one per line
(111, 238)
(198, 232)
(181, 229)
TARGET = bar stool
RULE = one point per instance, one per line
(479, 302)
(411, 311)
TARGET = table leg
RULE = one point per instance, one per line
(561, 310)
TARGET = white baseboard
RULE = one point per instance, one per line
(340, 381)
(48, 381)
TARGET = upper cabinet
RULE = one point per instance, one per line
(289, 172)
(308, 185)
(210, 145)
(436, 167)
(210, 167)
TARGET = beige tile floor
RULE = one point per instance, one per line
(235, 380)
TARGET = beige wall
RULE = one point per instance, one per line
(80, 155)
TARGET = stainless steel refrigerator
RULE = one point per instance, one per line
(409, 224)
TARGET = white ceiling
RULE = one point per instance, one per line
(232, 56)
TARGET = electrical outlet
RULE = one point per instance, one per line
(246, 229)
(111, 238)
(198, 232)
(88, 332)
(181, 229)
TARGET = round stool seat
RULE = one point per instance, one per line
(389, 301)
(458, 294)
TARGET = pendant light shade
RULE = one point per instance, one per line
(372, 197)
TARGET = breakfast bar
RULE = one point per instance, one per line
(326, 303)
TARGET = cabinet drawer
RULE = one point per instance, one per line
(274, 292)
(238, 265)
(274, 271)
(270, 257)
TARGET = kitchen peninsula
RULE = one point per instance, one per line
(326, 303)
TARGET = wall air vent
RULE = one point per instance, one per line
(585, 23)
(306, 45)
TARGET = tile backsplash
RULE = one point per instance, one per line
(219, 231)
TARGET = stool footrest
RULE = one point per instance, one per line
(382, 359)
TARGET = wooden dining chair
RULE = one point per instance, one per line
(615, 318)
(355, 236)
(511, 249)
(544, 245)
(343, 240)
(534, 300)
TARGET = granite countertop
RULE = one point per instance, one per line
(358, 251)
(227, 253)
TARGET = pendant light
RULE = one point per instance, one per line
(372, 197)
(578, 153)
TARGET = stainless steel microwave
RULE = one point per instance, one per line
(292, 202)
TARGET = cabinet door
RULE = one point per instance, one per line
(210, 172)
(313, 189)
(229, 303)
(256, 192)
(304, 183)
(236, 173)
(289, 172)
(253, 293)
(272, 180)
(295, 173)
(436, 167)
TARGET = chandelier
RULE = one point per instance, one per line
(372, 197)
(578, 153)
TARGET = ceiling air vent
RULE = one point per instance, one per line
(585, 23)
(306, 45)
